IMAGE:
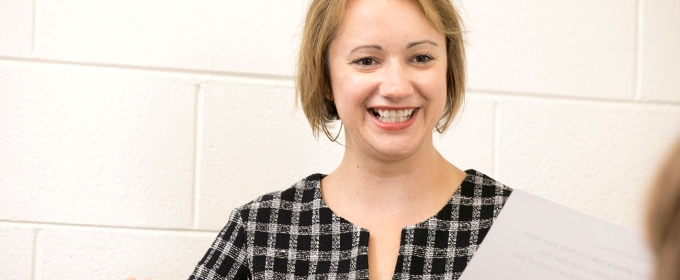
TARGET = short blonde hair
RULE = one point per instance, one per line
(663, 218)
(313, 85)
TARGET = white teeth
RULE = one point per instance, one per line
(390, 116)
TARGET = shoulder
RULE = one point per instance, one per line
(249, 227)
(478, 184)
(476, 204)
(277, 207)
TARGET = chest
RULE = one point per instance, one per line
(383, 248)
(343, 251)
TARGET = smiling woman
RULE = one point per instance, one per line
(382, 63)
(392, 71)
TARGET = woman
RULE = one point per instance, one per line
(663, 218)
(392, 71)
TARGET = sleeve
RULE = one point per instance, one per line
(227, 257)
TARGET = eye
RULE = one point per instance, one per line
(365, 61)
(423, 58)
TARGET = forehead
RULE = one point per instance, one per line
(385, 21)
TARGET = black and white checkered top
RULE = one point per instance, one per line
(292, 234)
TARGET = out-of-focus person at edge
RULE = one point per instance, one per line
(663, 218)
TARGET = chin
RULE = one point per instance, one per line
(397, 151)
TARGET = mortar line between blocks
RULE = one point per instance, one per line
(496, 138)
(35, 260)
(638, 50)
(105, 228)
(198, 152)
(511, 95)
(258, 78)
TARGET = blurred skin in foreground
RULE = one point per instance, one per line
(663, 218)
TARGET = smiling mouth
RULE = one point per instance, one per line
(393, 116)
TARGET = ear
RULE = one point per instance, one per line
(329, 96)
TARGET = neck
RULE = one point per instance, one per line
(369, 182)
(361, 166)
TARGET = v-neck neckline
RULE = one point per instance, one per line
(364, 234)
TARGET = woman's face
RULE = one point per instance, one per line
(388, 75)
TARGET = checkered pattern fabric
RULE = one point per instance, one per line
(292, 234)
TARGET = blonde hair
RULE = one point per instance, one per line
(663, 218)
(313, 85)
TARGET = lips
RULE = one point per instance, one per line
(392, 116)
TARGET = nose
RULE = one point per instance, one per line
(396, 84)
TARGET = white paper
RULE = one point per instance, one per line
(536, 239)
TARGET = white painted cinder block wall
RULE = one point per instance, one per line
(130, 129)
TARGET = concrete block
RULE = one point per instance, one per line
(173, 34)
(16, 28)
(16, 256)
(228, 36)
(254, 142)
(88, 254)
(660, 55)
(598, 158)
(95, 146)
(469, 142)
(258, 36)
(575, 48)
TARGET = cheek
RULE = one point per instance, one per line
(345, 99)
(351, 90)
(434, 87)
(441, 84)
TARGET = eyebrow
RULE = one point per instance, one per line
(367, 46)
(410, 45)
